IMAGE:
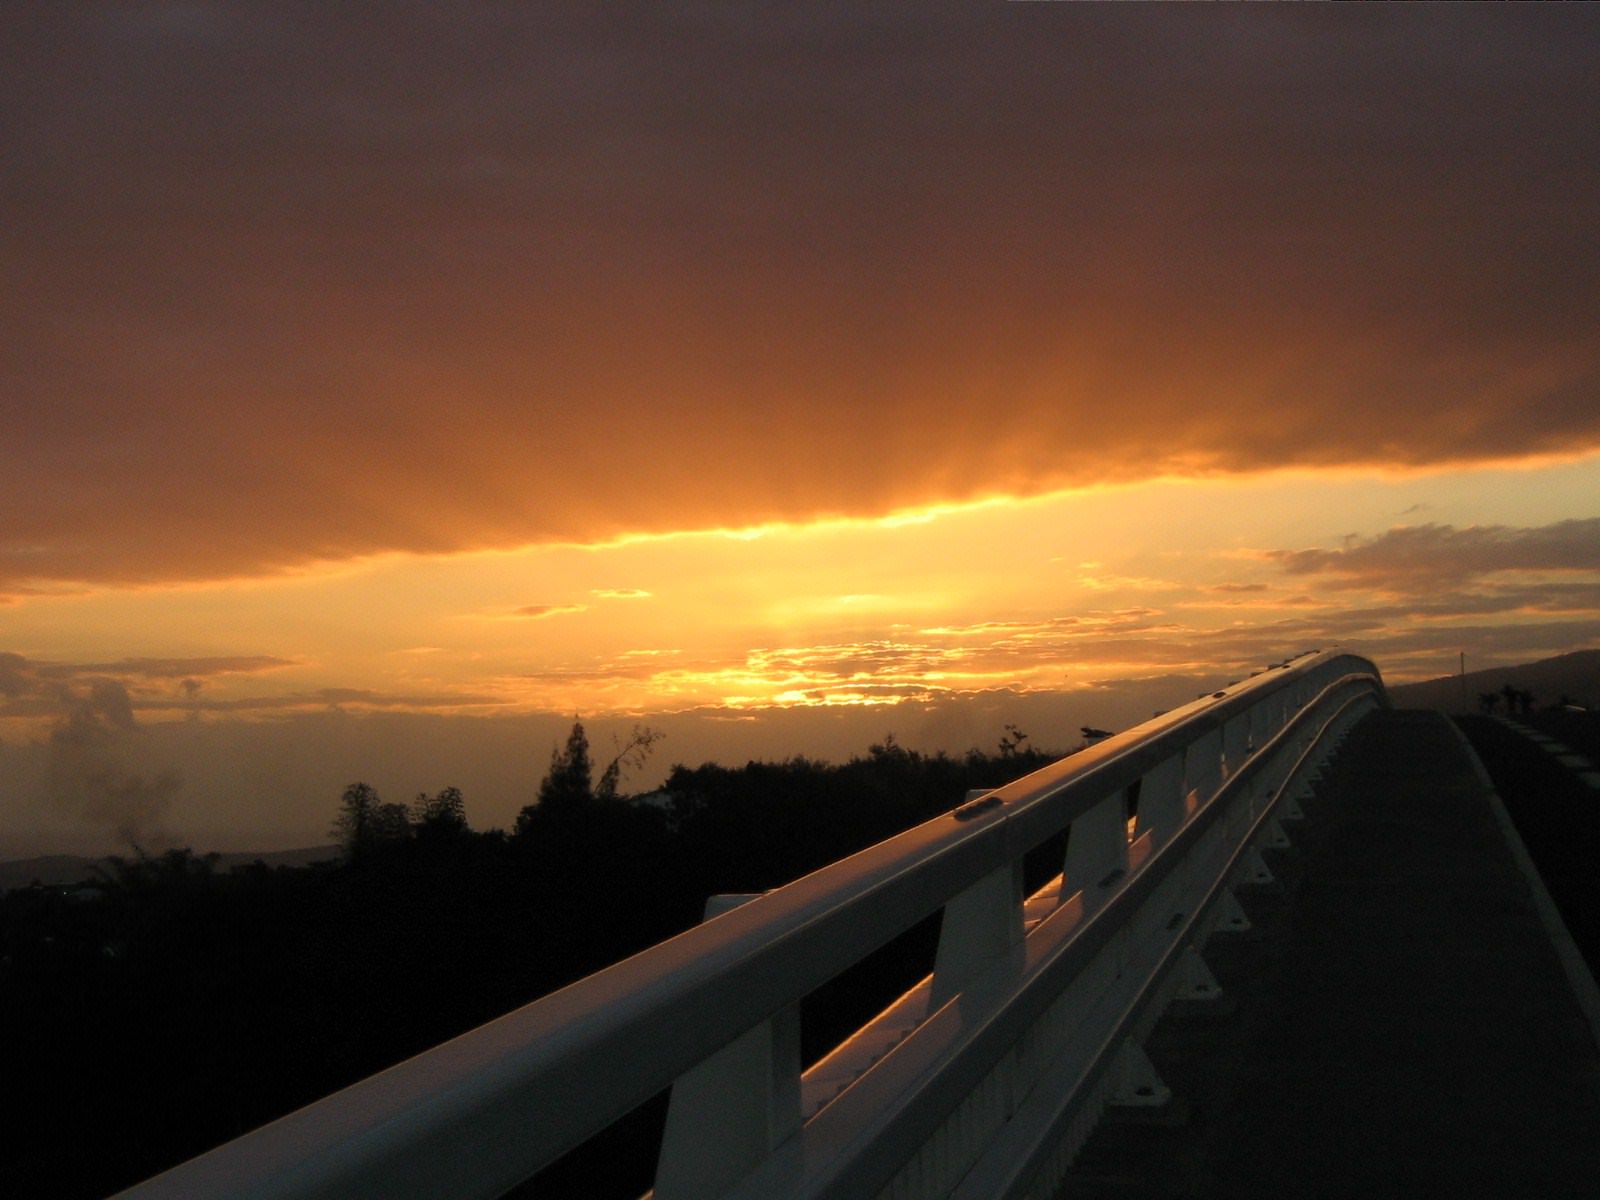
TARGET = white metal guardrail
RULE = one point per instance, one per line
(981, 1082)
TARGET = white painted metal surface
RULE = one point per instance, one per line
(980, 1083)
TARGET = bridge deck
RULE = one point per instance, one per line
(1398, 1023)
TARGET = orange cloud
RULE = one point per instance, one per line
(540, 611)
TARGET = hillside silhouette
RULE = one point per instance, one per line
(1575, 676)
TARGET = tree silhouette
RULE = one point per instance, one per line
(391, 823)
(1011, 741)
(631, 754)
(888, 751)
(569, 785)
(364, 821)
(441, 814)
(353, 828)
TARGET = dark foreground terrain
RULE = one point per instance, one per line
(177, 1004)
(1555, 810)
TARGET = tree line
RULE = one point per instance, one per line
(365, 823)
(186, 1006)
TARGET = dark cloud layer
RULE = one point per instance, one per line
(172, 668)
(289, 281)
(85, 697)
(1413, 558)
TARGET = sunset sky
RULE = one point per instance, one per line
(381, 385)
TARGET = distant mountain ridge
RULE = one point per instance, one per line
(53, 870)
(1575, 675)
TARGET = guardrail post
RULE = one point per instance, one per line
(1097, 848)
(1162, 805)
(1195, 980)
(1229, 914)
(1237, 736)
(979, 925)
(1202, 768)
(731, 1111)
(1273, 837)
(1253, 869)
(1136, 1083)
